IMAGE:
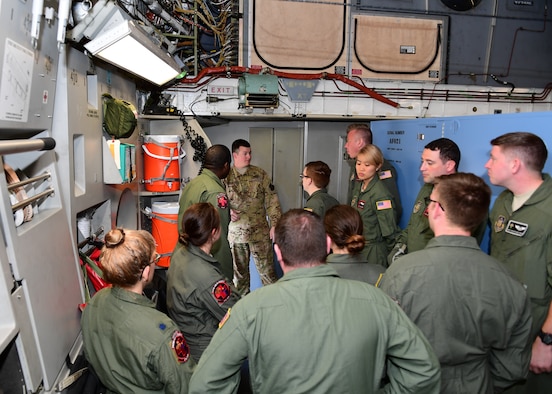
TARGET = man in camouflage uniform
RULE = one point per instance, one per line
(253, 201)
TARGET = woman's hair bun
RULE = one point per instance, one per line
(114, 238)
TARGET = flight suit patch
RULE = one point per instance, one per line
(180, 347)
(222, 200)
(384, 204)
(417, 207)
(221, 291)
(499, 224)
(516, 228)
(386, 174)
(225, 318)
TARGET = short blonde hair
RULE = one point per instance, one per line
(373, 154)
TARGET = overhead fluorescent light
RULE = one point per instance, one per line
(129, 47)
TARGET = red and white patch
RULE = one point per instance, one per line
(221, 291)
(222, 200)
(180, 347)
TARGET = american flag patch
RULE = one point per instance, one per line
(386, 174)
(385, 204)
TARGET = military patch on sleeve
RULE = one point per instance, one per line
(386, 174)
(417, 207)
(225, 318)
(222, 200)
(221, 291)
(499, 224)
(180, 347)
(383, 204)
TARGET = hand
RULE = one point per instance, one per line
(541, 357)
(398, 251)
(234, 215)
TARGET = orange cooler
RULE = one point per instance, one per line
(164, 228)
(162, 156)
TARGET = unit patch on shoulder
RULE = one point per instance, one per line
(180, 347)
(499, 224)
(385, 174)
(417, 207)
(222, 200)
(221, 323)
(384, 204)
(516, 228)
(221, 291)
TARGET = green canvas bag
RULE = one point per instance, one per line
(119, 117)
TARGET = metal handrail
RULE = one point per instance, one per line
(32, 199)
(18, 146)
(15, 185)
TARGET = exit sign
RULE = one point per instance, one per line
(215, 90)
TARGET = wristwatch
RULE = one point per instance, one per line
(545, 338)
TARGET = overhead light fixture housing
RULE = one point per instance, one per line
(129, 47)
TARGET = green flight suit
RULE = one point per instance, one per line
(355, 267)
(198, 296)
(207, 187)
(313, 332)
(254, 196)
(472, 310)
(319, 202)
(376, 207)
(417, 233)
(388, 175)
(522, 240)
(133, 347)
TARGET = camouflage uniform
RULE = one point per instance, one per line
(253, 195)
